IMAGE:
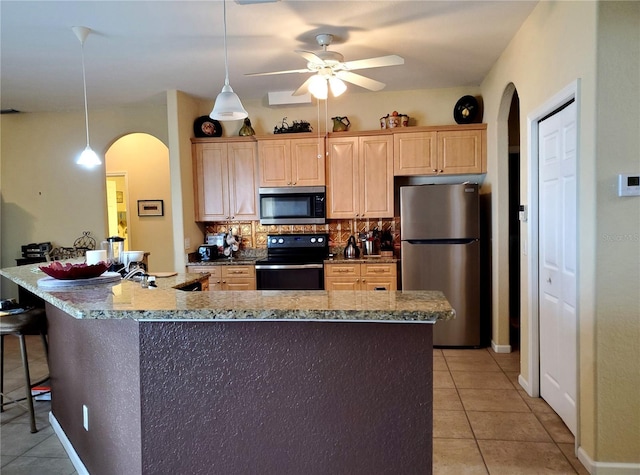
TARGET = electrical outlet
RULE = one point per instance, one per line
(85, 417)
(187, 244)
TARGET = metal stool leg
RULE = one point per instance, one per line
(27, 378)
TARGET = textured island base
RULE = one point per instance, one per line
(240, 397)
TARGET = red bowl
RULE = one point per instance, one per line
(74, 271)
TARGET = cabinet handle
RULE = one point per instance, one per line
(378, 271)
(441, 171)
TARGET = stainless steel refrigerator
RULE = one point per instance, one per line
(440, 233)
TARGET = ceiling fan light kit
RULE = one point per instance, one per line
(227, 105)
(331, 71)
(88, 158)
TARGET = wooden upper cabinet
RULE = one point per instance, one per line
(360, 177)
(376, 177)
(292, 162)
(462, 151)
(225, 180)
(415, 153)
(343, 178)
(452, 150)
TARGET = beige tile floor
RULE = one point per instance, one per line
(484, 423)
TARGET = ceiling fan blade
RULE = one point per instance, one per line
(380, 61)
(304, 88)
(310, 56)
(361, 81)
(279, 72)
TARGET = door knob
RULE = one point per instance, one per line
(548, 280)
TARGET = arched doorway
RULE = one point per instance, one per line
(137, 169)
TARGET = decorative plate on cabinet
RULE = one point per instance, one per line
(466, 110)
(205, 126)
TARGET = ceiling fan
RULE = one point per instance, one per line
(331, 70)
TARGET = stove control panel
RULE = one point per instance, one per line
(293, 241)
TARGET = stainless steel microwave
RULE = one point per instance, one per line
(292, 205)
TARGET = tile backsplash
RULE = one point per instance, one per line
(254, 235)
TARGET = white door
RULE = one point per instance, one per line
(557, 143)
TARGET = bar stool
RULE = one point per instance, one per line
(29, 322)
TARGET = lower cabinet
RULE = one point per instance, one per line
(361, 276)
(229, 277)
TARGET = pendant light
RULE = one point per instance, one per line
(88, 158)
(227, 105)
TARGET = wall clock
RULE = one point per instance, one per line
(466, 110)
(205, 126)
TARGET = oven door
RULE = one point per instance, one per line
(289, 276)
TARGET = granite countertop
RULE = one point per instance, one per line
(225, 262)
(362, 260)
(129, 300)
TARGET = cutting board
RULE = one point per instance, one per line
(52, 283)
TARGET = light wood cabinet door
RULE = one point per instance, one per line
(377, 276)
(243, 181)
(455, 150)
(360, 177)
(215, 275)
(376, 177)
(228, 277)
(308, 162)
(240, 277)
(211, 181)
(274, 157)
(359, 276)
(341, 283)
(225, 181)
(461, 152)
(415, 153)
(292, 162)
(343, 178)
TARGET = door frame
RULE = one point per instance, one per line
(532, 382)
(125, 175)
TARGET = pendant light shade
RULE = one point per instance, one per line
(88, 158)
(227, 105)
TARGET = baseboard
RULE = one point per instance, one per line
(607, 468)
(73, 456)
(525, 384)
(500, 348)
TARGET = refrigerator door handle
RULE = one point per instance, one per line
(441, 241)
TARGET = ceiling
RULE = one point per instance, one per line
(140, 49)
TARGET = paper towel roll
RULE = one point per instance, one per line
(93, 257)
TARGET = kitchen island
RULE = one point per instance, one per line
(240, 382)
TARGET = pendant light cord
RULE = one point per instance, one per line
(226, 61)
(84, 82)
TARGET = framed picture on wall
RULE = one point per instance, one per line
(119, 196)
(150, 208)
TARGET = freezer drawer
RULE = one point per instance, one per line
(455, 270)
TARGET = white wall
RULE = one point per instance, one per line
(45, 195)
(596, 43)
